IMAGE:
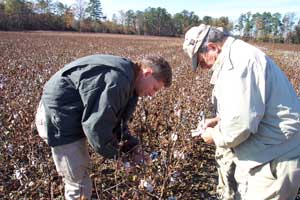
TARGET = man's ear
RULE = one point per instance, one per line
(147, 71)
(213, 46)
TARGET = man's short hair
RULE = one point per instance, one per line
(161, 69)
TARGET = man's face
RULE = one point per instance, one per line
(207, 59)
(147, 85)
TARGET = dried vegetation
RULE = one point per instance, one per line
(181, 168)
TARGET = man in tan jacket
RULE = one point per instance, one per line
(257, 114)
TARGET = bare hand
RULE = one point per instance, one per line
(206, 136)
(139, 157)
(211, 122)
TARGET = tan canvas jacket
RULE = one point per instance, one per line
(257, 105)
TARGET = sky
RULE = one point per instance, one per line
(213, 8)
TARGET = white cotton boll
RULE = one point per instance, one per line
(178, 112)
(23, 170)
(145, 184)
(127, 165)
(141, 185)
(175, 154)
(18, 174)
(148, 186)
(33, 162)
(149, 98)
(174, 136)
(10, 149)
(172, 180)
(15, 115)
(179, 155)
(31, 183)
(143, 115)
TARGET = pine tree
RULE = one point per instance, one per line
(95, 10)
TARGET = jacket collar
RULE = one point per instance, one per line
(216, 68)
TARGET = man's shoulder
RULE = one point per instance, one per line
(89, 64)
(101, 59)
(243, 54)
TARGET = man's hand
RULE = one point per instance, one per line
(206, 135)
(136, 158)
(208, 128)
(212, 122)
(201, 128)
(130, 144)
(139, 157)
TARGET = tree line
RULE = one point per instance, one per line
(87, 16)
(269, 27)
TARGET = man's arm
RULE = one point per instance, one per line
(100, 115)
(242, 106)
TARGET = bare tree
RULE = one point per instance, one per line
(80, 8)
(287, 25)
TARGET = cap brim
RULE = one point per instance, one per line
(194, 62)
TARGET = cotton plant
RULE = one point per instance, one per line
(177, 110)
(178, 155)
(146, 184)
(174, 137)
(199, 130)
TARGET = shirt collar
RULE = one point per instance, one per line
(216, 68)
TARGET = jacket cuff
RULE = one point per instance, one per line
(218, 136)
(130, 143)
(109, 151)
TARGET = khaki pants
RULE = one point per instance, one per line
(71, 161)
(227, 185)
(276, 180)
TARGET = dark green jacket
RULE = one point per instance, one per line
(90, 97)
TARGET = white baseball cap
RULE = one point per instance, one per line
(194, 38)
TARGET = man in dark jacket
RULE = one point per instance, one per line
(91, 99)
